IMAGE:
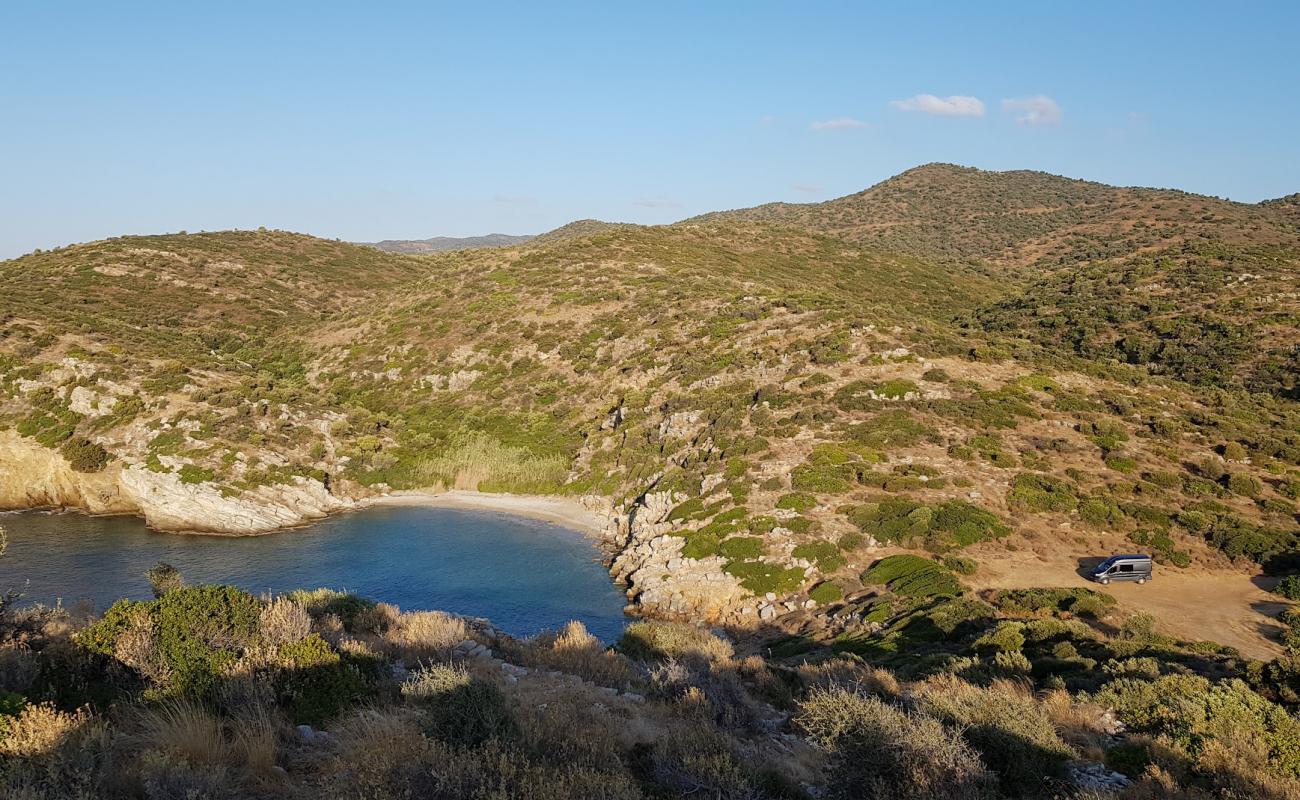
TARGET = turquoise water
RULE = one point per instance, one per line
(522, 574)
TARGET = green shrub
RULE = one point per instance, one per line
(84, 455)
(1233, 451)
(1121, 463)
(1289, 587)
(1005, 638)
(314, 681)
(460, 708)
(797, 501)
(761, 577)
(1245, 485)
(827, 592)
(961, 565)
(164, 578)
(890, 430)
(192, 474)
(741, 547)
(913, 576)
(954, 523)
(826, 555)
(1190, 711)
(1041, 493)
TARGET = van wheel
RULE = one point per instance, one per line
(1105, 581)
(1141, 581)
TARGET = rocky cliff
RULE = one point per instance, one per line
(32, 476)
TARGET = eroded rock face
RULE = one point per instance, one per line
(168, 504)
(659, 579)
(32, 476)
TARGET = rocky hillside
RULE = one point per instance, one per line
(760, 411)
(1021, 218)
(443, 244)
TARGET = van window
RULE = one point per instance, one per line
(1125, 567)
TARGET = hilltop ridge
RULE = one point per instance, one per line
(1021, 218)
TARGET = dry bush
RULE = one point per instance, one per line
(706, 691)
(652, 640)
(1005, 723)
(165, 775)
(881, 752)
(185, 729)
(284, 621)
(459, 707)
(376, 740)
(136, 648)
(377, 619)
(1238, 768)
(1079, 724)
(384, 756)
(697, 761)
(41, 730)
(843, 673)
(576, 651)
(425, 635)
(18, 668)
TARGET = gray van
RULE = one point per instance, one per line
(1123, 568)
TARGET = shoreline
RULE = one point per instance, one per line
(558, 510)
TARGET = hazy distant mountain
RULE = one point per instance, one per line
(443, 244)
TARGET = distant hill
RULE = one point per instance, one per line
(582, 227)
(444, 244)
(447, 244)
(1019, 218)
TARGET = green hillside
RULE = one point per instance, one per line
(857, 436)
(1022, 218)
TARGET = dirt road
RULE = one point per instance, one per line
(1224, 607)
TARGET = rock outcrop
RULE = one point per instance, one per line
(659, 579)
(32, 476)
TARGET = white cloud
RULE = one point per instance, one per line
(957, 105)
(1039, 110)
(839, 124)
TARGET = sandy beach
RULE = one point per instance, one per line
(559, 510)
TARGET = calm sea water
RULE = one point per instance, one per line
(522, 574)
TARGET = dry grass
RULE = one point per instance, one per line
(256, 741)
(650, 640)
(574, 650)
(479, 459)
(845, 674)
(880, 752)
(424, 635)
(186, 729)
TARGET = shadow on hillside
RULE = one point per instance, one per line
(1085, 566)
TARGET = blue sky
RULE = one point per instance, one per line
(406, 120)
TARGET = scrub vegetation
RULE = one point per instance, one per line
(960, 366)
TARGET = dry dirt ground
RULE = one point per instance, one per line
(1225, 606)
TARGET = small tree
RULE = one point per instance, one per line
(164, 578)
